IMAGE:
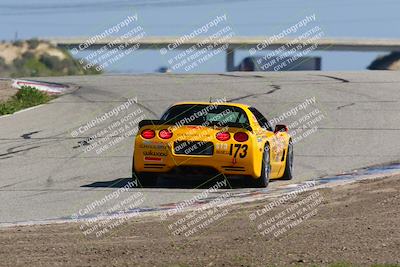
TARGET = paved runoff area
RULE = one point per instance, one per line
(70, 157)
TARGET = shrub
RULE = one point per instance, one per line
(26, 97)
(33, 43)
(18, 43)
(51, 62)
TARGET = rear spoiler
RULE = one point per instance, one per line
(163, 122)
(152, 122)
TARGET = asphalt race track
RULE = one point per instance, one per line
(45, 174)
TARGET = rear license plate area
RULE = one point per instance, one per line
(196, 148)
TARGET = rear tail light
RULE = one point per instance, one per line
(148, 134)
(241, 137)
(223, 136)
(165, 134)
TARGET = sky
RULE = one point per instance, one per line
(71, 18)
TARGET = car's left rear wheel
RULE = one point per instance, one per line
(147, 179)
(144, 179)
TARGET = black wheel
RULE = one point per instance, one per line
(263, 180)
(288, 174)
(144, 179)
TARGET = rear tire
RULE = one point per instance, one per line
(263, 180)
(145, 179)
(288, 174)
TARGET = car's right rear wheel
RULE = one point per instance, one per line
(288, 174)
(263, 180)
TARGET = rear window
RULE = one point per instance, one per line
(204, 115)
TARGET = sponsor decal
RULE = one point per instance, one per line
(221, 148)
(259, 139)
(154, 153)
(154, 146)
(152, 159)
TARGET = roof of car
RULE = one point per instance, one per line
(239, 105)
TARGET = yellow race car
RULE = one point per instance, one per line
(200, 138)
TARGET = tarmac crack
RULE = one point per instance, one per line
(29, 135)
(335, 78)
(275, 88)
(347, 105)
(11, 151)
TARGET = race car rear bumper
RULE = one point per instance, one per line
(186, 165)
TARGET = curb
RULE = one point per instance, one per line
(51, 88)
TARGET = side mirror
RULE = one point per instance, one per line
(281, 128)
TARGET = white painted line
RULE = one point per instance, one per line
(31, 108)
(20, 111)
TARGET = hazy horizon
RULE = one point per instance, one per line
(358, 19)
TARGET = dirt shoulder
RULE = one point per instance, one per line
(6, 90)
(357, 224)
